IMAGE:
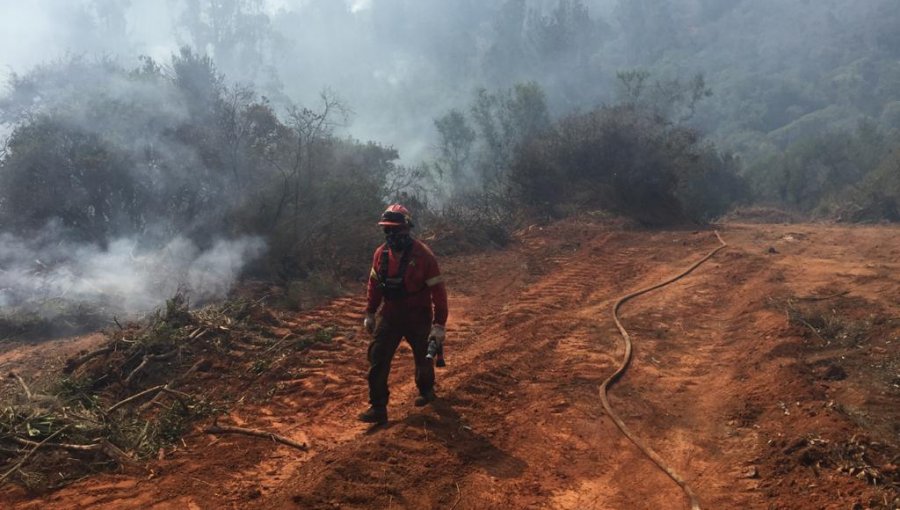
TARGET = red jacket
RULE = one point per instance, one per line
(423, 282)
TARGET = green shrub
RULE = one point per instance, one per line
(626, 160)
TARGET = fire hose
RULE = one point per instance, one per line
(604, 388)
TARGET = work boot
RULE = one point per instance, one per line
(425, 398)
(375, 414)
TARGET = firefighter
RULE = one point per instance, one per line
(405, 277)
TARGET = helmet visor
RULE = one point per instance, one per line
(393, 219)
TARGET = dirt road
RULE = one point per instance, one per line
(734, 383)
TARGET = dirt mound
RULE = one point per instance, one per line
(767, 378)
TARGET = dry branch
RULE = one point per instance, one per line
(179, 396)
(17, 377)
(72, 364)
(137, 369)
(278, 343)
(215, 428)
(822, 298)
(458, 497)
(813, 329)
(171, 385)
(134, 397)
(114, 452)
(116, 378)
(102, 445)
(147, 359)
(28, 455)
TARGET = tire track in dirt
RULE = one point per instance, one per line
(627, 479)
(312, 404)
(519, 424)
(503, 412)
(316, 400)
(489, 371)
(526, 402)
(677, 391)
(707, 394)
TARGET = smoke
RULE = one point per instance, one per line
(120, 277)
(776, 69)
(145, 198)
(397, 64)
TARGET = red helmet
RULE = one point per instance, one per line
(396, 216)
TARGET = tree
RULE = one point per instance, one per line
(504, 120)
(648, 28)
(815, 173)
(238, 34)
(164, 152)
(52, 173)
(310, 129)
(455, 144)
(625, 160)
(506, 61)
(567, 43)
(672, 99)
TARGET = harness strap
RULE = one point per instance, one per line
(395, 285)
(383, 266)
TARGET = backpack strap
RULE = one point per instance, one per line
(383, 264)
(404, 262)
(393, 288)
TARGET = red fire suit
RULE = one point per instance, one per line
(410, 316)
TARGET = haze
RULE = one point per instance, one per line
(769, 73)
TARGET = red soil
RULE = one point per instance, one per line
(752, 411)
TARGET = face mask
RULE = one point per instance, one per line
(398, 241)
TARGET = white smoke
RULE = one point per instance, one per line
(121, 276)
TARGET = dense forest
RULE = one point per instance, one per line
(248, 137)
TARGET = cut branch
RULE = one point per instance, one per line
(72, 364)
(814, 330)
(102, 445)
(28, 455)
(137, 369)
(16, 376)
(458, 497)
(146, 361)
(171, 385)
(822, 298)
(115, 453)
(278, 343)
(180, 396)
(134, 397)
(227, 429)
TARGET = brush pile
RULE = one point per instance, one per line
(127, 400)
